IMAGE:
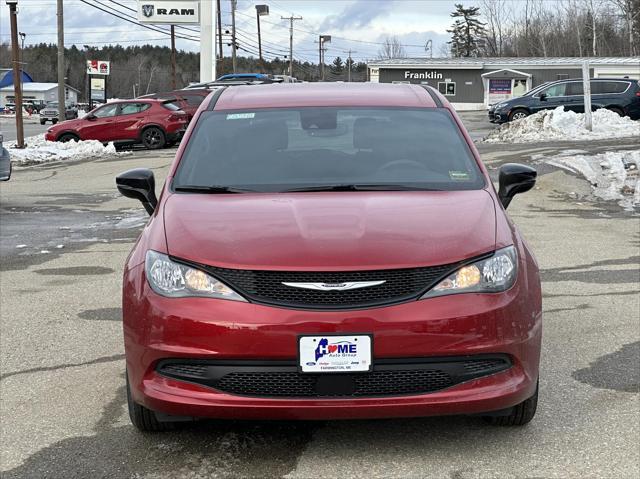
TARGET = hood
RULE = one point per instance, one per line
(330, 231)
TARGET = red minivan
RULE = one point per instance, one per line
(329, 251)
(152, 123)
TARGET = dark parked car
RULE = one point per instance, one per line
(187, 100)
(5, 162)
(154, 123)
(329, 251)
(621, 95)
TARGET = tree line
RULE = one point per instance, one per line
(147, 68)
(570, 28)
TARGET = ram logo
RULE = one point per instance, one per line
(147, 10)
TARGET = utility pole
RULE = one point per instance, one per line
(349, 63)
(17, 74)
(219, 15)
(321, 49)
(291, 20)
(261, 10)
(173, 57)
(62, 103)
(586, 87)
(233, 35)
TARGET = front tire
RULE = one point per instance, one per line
(144, 419)
(42, 122)
(65, 137)
(520, 415)
(518, 114)
(153, 138)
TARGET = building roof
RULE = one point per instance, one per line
(36, 87)
(293, 95)
(6, 77)
(480, 62)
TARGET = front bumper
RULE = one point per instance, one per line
(157, 329)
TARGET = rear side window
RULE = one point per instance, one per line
(281, 149)
(574, 88)
(171, 105)
(193, 100)
(604, 87)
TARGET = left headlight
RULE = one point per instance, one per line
(500, 105)
(175, 280)
(489, 275)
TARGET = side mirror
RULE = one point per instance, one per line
(140, 185)
(90, 117)
(543, 97)
(513, 179)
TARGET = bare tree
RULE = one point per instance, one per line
(391, 48)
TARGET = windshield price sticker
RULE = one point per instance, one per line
(240, 116)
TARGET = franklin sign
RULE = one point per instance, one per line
(166, 11)
(409, 75)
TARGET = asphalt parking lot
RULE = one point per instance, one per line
(64, 236)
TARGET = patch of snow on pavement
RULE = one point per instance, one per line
(39, 150)
(613, 175)
(549, 125)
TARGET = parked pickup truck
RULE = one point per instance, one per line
(50, 112)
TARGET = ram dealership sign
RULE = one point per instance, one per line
(168, 11)
(424, 75)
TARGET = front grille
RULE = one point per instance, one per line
(280, 379)
(266, 287)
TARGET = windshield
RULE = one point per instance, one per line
(332, 148)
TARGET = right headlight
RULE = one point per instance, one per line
(175, 280)
(490, 275)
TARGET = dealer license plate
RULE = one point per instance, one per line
(335, 354)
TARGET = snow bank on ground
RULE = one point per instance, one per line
(39, 150)
(564, 125)
(613, 175)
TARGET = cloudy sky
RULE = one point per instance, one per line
(359, 25)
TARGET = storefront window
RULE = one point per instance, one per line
(447, 88)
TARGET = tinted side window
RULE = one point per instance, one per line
(555, 90)
(193, 100)
(575, 88)
(603, 87)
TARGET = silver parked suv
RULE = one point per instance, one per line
(50, 112)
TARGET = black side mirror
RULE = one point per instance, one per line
(543, 97)
(90, 117)
(140, 185)
(513, 179)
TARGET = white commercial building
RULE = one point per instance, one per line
(38, 92)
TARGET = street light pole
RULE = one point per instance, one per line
(17, 75)
(261, 10)
(233, 35)
(62, 110)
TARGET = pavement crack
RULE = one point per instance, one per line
(105, 359)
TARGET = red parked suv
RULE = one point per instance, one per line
(187, 100)
(153, 123)
(329, 251)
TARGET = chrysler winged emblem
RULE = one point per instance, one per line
(335, 286)
(147, 10)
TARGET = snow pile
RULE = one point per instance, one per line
(613, 175)
(39, 150)
(564, 125)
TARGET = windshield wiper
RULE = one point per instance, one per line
(359, 187)
(210, 189)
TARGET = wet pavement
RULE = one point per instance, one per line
(64, 236)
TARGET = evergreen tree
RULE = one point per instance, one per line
(337, 66)
(466, 32)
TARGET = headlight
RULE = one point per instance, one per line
(490, 275)
(175, 280)
(500, 105)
